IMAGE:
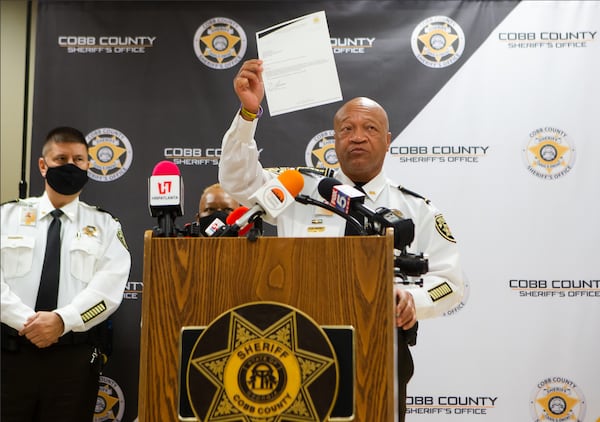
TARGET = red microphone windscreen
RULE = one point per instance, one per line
(234, 215)
(292, 180)
(166, 168)
(245, 229)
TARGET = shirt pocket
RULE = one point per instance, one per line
(17, 255)
(83, 254)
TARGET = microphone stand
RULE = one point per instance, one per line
(166, 225)
(257, 229)
(307, 200)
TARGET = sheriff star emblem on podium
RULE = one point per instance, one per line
(262, 362)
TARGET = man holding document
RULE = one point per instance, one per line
(362, 139)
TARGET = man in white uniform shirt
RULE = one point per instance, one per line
(52, 334)
(362, 139)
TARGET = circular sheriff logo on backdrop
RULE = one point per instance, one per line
(557, 399)
(110, 154)
(438, 42)
(320, 151)
(220, 43)
(262, 362)
(110, 403)
(549, 153)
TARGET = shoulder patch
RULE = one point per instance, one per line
(410, 192)
(121, 238)
(443, 229)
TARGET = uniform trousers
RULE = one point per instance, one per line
(405, 372)
(56, 383)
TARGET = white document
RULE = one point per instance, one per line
(299, 68)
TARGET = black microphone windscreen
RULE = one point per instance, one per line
(326, 187)
(404, 233)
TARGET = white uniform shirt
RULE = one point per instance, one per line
(94, 265)
(241, 174)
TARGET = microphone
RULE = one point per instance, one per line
(271, 199)
(216, 224)
(346, 198)
(165, 197)
(343, 196)
(203, 227)
(235, 215)
(307, 200)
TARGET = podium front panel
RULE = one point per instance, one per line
(336, 281)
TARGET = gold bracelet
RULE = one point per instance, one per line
(248, 115)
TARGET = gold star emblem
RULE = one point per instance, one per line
(220, 43)
(327, 156)
(262, 375)
(109, 403)
(105, 155)
(90, 231)
(437, 41)
(557, 404)
(549, 153)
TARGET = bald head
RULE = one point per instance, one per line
(367, 105)
(362, 138)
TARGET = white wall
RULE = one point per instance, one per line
(13, 31)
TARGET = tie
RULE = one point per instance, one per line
(48, 291)
(350, 229)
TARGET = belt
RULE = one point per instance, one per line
(74, 338)
(12, 341)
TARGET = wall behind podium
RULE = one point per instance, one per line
(495, 119)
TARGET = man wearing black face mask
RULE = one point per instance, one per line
(214, 203)
(64, 269)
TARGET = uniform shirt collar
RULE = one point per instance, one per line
(69, 210)
(372, 188)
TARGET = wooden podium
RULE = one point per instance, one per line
(336, 281)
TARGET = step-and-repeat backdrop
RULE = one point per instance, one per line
(495, 117)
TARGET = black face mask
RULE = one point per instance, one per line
(204, 222)
(67, 179)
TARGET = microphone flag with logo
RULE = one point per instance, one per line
(378, 220)
(165, 197)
